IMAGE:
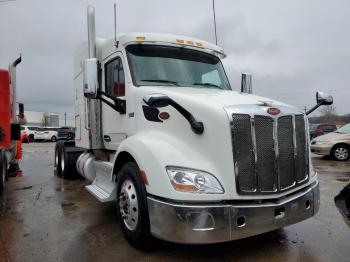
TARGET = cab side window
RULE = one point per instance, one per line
(115, 80)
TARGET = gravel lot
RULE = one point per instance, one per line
(45, 218)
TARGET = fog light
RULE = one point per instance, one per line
(201, 221)
(240, 221)
(279, 212)
(307, 204)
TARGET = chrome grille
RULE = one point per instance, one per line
(270, 153)
(302, 156)
(244, 153)
(265, 154)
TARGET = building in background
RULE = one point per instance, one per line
(33, 118)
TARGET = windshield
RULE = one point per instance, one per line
(175, 66)
(344, 129)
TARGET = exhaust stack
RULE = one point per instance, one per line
(91, 85)
(91, 31)
(12, 70)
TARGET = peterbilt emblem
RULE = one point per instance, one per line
(273, 111)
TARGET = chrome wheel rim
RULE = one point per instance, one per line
(128, 205)
(341, 153)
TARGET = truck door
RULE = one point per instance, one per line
(114, 124)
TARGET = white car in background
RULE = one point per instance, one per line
(46, 134)
(30, 131)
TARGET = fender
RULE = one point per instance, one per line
(153, 151)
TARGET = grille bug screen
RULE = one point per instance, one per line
(243, 152)
(270, 153)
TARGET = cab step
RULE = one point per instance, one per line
(101, 194)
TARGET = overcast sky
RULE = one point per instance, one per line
(292, 48)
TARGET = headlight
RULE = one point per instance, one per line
(193, 181)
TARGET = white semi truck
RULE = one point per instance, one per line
(186, 159)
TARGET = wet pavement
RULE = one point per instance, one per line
(46, 218)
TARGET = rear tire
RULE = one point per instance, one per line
(31, 138)
(63, 163)
(132, 207)
(69, 156)
(57, 159)
(53, 139)
(341, 152)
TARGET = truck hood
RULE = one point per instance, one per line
(213, 98)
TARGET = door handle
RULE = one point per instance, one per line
(107, 138)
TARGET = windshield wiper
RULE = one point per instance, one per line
(160, 81)
(206, 84)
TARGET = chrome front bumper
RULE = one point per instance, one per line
(212, 223)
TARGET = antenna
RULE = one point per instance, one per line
(115, 25)
(216, 37)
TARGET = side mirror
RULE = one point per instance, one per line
(20, 111)
(90, 75)
(324, 98)
(156, 100)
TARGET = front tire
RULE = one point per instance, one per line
(132, 207)
(341, 152)
(53, 139)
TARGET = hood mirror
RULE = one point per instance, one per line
(156, 100)
(160, 100)
(324, 98)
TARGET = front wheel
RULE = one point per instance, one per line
(53, 139)
(132, 207)
(341, 152)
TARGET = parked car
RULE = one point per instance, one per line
(321, 129)
(30, 131)
(46, 134)
(66, 133)
(335, 144)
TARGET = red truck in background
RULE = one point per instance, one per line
(10, 129)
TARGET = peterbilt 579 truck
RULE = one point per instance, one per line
(10, 130)
(186, 159)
